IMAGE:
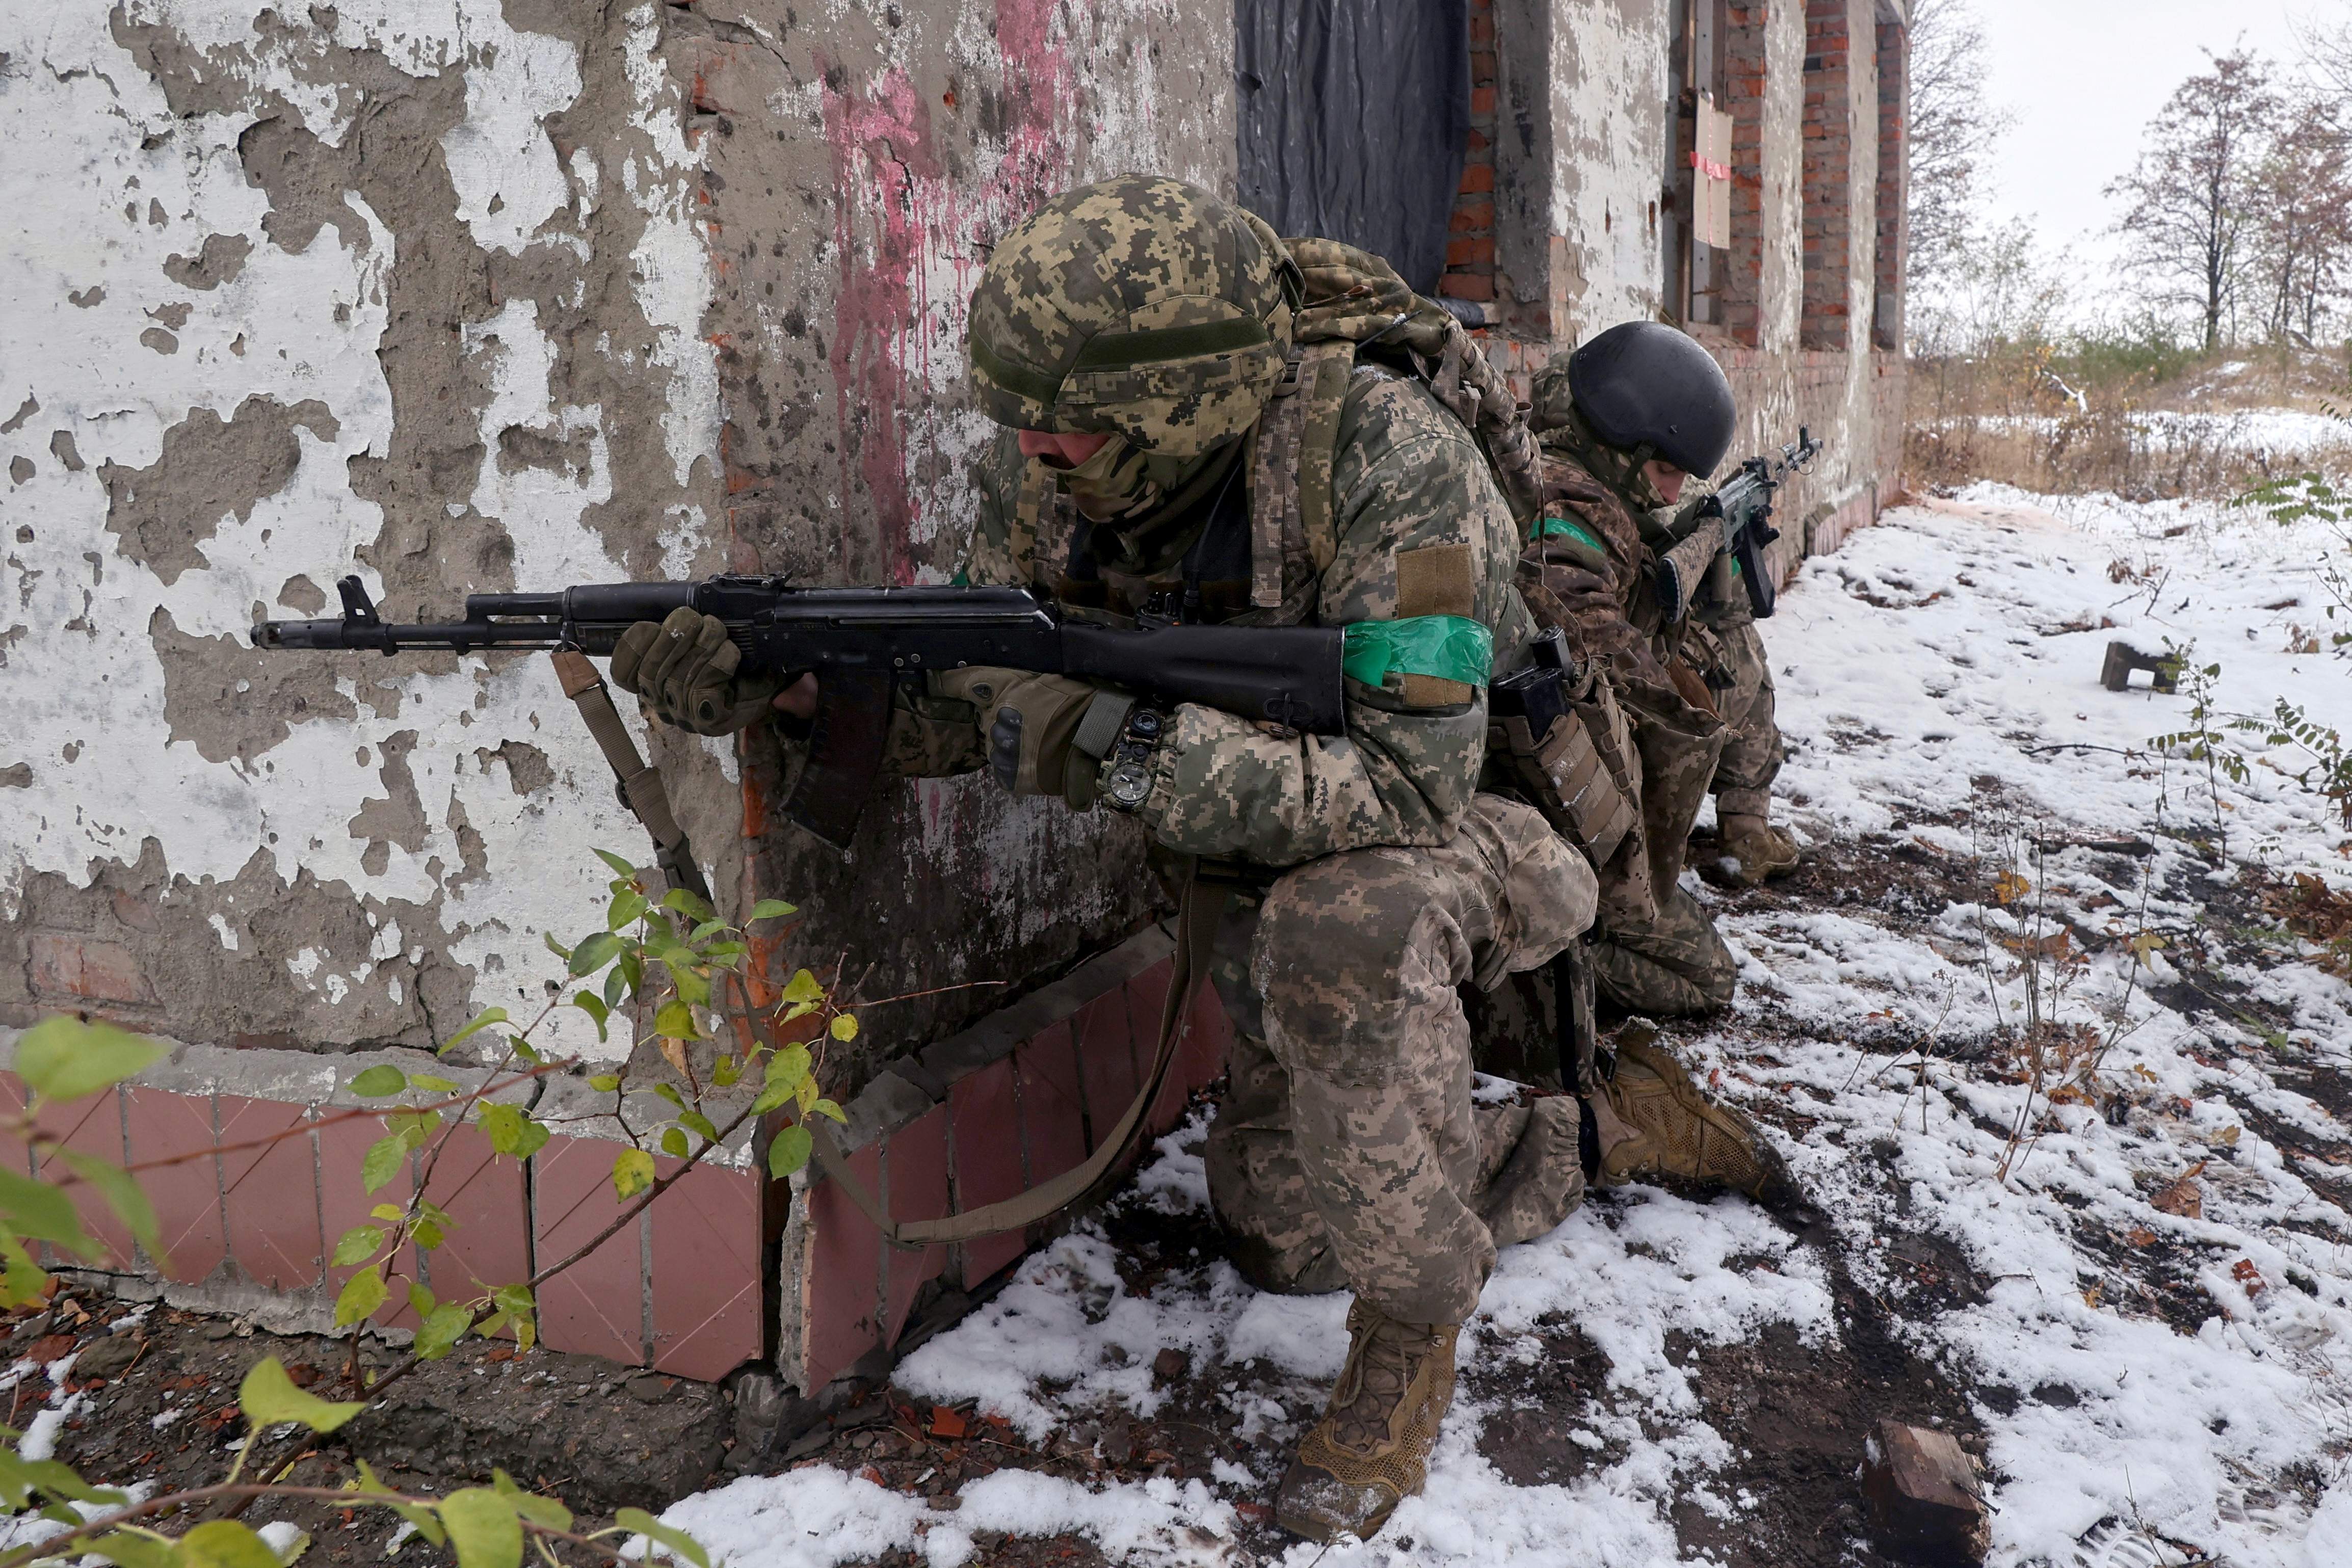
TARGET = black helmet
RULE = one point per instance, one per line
(1645, 384)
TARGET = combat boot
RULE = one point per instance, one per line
(1370, 1450)
(1759, 849)
(1652, 1119)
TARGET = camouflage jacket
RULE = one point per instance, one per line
(1587, 571)
(1584, 571)
(1408, 477)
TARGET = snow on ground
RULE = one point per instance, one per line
(2145, 1379)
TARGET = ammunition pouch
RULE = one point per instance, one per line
(1544, 728)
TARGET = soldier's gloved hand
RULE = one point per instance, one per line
(685, 669)
(1033, 722)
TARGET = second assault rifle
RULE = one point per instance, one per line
(861, 641)
(1742, 509)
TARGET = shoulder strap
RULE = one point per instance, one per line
(1274, 487)
(641, 783)
(1196, 931)
(1323, 392)
(1044, 521)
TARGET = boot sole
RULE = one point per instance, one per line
(1321, 1528)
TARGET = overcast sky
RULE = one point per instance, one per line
(2085, 77)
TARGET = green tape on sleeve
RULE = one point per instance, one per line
(1448, 647)
(1554, 528)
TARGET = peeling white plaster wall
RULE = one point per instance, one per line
(103, 184)
(1782, 213)
(1611, 107)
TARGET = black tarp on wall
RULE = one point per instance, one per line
(1353, 115)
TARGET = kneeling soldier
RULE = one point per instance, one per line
(1142, 343)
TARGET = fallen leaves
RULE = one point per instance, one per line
(2318, 912)
(2183, 1195)
(2246, 1274)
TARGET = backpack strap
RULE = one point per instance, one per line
(1274, 497)
(1323, 373)
(1467, 383)
(1045, 524)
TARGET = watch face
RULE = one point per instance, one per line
(1129, 783)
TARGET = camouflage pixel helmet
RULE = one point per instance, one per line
(1140, 307)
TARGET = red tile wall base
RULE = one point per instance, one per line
(1026, 1116)
(680, 1288)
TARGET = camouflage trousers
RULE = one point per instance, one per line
(1673, 966)
(1347, 1152)
(1751, 746)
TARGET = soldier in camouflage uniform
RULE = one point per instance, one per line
(1133, 338)
(1588, 571)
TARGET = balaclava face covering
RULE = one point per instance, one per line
(1121, 478)
(1614, 466)
(1147, 507)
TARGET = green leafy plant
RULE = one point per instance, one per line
(2326, 764)
(2205, 739)
(2313, 496)
(672, 958)
(64, 1060)
(672, 965)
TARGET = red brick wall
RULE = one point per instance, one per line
(1470, 245)
(1743, 86)
(681, 1291)
(1893, 182)
(1828, 142)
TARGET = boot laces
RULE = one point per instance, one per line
(1387, 1354)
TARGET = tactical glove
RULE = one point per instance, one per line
(685, 670)
(1046, 734)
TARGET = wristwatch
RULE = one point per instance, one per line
(1127, 778)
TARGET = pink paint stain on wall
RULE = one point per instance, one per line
(902, 223)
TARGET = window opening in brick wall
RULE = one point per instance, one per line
(1470, 234)
(1893, 175)
(1828, 174)
(1696, 236)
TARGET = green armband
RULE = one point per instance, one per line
(1447, 647)
(1555, 527)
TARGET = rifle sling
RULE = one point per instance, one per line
(1196, 929)
(641, 783)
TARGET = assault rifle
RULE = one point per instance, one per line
(1742, 507)
(861, 641)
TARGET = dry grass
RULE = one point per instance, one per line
(2142, 423)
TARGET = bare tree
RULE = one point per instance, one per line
(2002, 292)
(2301, 212)
(2191, 191)
(1953, 132)
(2325, 49)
